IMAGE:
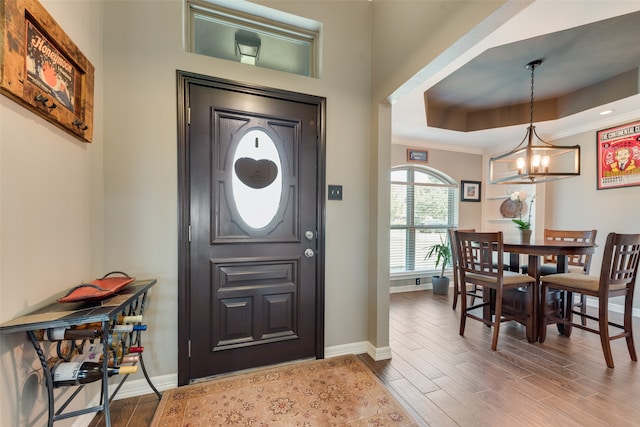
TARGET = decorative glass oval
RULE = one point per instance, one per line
(257, 179)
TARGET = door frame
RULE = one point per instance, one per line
(184, 79)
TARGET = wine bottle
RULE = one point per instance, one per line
(95, 353)
(133, 350)
(63, 333)
(120, 327)
(91, 325)
(128, 328)
(76, 373)
(125, 360)
(91, 352)
(129, 319)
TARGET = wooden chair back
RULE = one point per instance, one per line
(451, 233)
(476, 253)
(620, 261)
(583, 260)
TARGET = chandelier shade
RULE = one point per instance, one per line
(534, 160)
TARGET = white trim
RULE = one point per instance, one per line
(131, 388)
(616, 308)
(410, 288)
(379, 353)
(139, 387)
(376, 353)
(344, 349)
(591, 302)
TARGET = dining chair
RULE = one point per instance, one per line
(617, 278)
(475, 291)
(476, 253)
(576, 263)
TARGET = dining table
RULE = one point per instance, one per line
(534, 249)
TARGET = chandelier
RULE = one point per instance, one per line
(537, 161)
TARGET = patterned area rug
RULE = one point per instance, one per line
(340, 391)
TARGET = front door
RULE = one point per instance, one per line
(253, 291)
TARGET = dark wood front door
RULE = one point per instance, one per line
(252, 213)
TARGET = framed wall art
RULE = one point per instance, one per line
(618, 156)
(43, 70)
(470, 191)
(416, 155)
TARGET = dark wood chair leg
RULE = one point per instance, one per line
(456, 292)
(463, 308)
(496, 321)
(542, 321)
(604, 332)
(475, 292)
(568, 314)
(628, 327)
(583, 308)
(530, 323)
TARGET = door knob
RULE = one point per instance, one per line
(309, 235)
(309, 253)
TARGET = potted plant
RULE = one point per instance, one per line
(524, 226)
(442, 254)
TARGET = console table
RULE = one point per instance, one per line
(130, 300)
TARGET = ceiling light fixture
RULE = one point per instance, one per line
(533, 163)
(247, 46)
(605, 112)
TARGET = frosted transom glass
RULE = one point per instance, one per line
(257, 179)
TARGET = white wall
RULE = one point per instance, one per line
(50, 218)
(576, 204)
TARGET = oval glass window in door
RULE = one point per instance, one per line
(257, 179)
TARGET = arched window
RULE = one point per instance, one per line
(423, 205)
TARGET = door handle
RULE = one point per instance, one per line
(309, 253)
(309, 235)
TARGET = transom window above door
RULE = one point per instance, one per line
(423, 206)
(253, 34)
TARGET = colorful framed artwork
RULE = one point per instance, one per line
(618, 156)
(470, 191)
(43, 70)
(416, 155)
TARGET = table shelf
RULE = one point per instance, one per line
(129, 301)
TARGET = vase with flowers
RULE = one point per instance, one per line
(524, 226)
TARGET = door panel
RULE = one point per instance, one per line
(253, 288)
(229, 224)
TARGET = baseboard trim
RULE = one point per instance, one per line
(616, 308)
(591, 302)
(344, 349)
(410, 288)
(379, 353)
(131, 388)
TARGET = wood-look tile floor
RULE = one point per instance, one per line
(448, 380)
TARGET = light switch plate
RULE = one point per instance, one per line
(335, 192)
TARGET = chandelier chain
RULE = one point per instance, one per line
(533, 67)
